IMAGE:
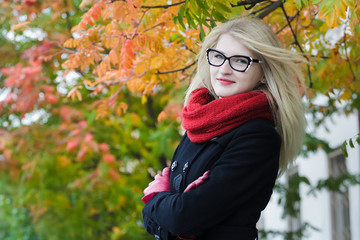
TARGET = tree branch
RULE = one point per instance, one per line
(252, 3)
(138, 24)
(156, 6)
(68, 23)
(177, 70)
(163, 6)
(298, 45)
(290, 20)
(269, 9)
(249, 4)
(347, 55)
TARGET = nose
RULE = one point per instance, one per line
(225, 68)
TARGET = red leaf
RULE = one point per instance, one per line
(109, 158)
(104, 147)
(71, 145)
(50, 98)
(81, 156)
(82, 124)
(88, 138)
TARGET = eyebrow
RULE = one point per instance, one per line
(233, 54)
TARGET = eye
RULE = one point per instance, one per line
(218, 56)
(241, 61)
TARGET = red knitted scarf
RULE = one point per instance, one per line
(205, 119)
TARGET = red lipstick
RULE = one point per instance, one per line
(224, 81)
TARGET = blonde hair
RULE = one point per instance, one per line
(283, 79)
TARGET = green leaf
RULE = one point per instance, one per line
(218, 16)
(223, 7)
(180, 18)
(202, 33)
(206, 24)
(200, 3)
(351, 144)
(358, 139)
(298, 4)
(315, 1)
(212, 22)
(344, 150)
(305, 2)
(193, 5)
(190, 19)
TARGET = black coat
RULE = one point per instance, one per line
(244, 166)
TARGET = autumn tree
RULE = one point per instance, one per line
(92, 93)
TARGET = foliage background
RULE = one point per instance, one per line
(91, 94)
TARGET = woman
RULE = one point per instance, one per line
(244, 123)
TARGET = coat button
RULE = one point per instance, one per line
(174, 166)
(186, 166)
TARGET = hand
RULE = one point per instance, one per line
(161, 183)
(198, 181)
(194, 185)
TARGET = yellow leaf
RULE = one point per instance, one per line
(153, 79)
(332, 20)
(113, 57)
(122, 201)
(140, 67)
(346, 95)
(340, 9)
(156, 62)
(63, 161)
(94, 211)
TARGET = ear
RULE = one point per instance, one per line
(263, 80)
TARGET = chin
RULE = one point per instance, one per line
(221, 94)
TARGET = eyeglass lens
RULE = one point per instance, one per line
(236, 62)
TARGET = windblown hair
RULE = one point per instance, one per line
(282, 74)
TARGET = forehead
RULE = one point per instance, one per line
(229, 45)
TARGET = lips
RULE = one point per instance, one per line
(224, 81)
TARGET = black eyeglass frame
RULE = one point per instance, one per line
(250, 60)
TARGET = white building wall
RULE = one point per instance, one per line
(316, 209)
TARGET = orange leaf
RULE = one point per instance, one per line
(114, 174)
(20, 25)
(161, 117)
(113, 57)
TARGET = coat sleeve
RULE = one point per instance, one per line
(247, 168)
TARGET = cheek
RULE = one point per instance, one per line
(255, 76)
(213, 72)
(258, 73)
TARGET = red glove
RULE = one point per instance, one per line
(198, 181)
(161, 183)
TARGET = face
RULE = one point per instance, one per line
(226, 81)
